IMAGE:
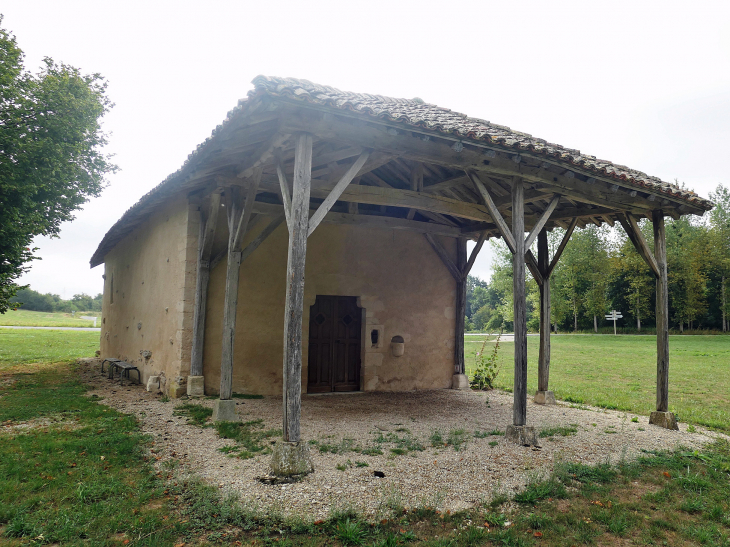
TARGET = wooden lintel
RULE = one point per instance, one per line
(336, 192)
(542, 221)
(444, 256)
(561, 247)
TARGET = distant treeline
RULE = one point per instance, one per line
(600, 271)
(35, 301)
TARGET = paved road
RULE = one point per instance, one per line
(50, 328)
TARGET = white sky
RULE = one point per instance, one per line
(644, 84)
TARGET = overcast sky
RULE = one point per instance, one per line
(644, 84)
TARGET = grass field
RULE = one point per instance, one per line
(619, 372)
(76, 472)
(23, 346)
(26, 318)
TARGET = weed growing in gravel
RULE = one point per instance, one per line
(564, 431)
(403, 445)
(250, 437)
(196, 414)
(493, 443)
(483, 434)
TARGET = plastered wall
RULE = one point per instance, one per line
(149, 293)
(401, 284)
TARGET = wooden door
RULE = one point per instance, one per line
(334, 344)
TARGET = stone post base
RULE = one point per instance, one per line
(153, 383)
(177, 388)
(291, 459)
(459, 381)
(225, 411)
(522, 435)
(195, 386)
(544, 398)
(664, 419)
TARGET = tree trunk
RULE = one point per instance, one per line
(595, 324)
(638, 312)
(724, 305)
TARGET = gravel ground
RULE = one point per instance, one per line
(443, 477)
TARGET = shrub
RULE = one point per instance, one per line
(488, 367)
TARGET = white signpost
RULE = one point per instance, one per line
(614, 315)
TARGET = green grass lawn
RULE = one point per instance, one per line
(23, 346)
(26, 318)
(76, 472)
(620, 372)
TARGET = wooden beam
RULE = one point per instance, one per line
(416, 185)
(543, 362)
(242, 225)
(460, 319)
(263, 155)
(447, 183)
(337, 155)
(284, 190)
(474, 253)
(541, 223)
(662, 314)
(494, 212)
(205, 245)
(259, 239)
(444, 256)
(294, 310)
(336, 192)
(561, 247)
(471, 157)
(531, 263)
(393, 197)
(519, 411)
(637, 238)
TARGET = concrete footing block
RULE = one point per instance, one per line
(459, 381)
(196, 386)
(544, 398)
(153, 383)
(291, 459)
(664, 419)
(224, 410)
(522, 435)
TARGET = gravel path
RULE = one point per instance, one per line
(442, 476)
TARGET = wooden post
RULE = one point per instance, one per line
(294, 310)
(238, 219)
(520, 303)
(543, 261)
(205, 246)
(662, 313)
(459, 365)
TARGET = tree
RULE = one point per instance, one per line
(50, 153)
(720, 245)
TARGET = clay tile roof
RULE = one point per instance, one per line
(416, 113)
(411, 112)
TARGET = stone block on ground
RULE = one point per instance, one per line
(153, 383)
(224, 410)
(196, 386)
(544, 398)
(459, 381)
(522, 435)
(178, 387)
(664, 419)
(291, 459)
